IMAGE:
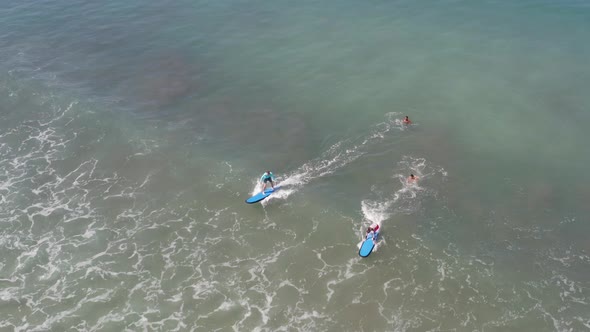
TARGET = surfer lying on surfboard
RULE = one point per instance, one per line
(373, 230)
(370, 240)
(267, 177)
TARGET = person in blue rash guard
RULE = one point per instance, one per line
(267, 177)
(373, 230)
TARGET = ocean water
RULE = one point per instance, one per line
(131, 133)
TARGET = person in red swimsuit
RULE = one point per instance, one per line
(407, 120)
(412, 178)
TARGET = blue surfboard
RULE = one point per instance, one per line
(260, 196)
(368, 245)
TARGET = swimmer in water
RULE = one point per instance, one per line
(412, 178)
(407, 121)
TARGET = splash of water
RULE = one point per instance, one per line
(336, 157)
(403, 200)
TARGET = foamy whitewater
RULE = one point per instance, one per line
(132, 132)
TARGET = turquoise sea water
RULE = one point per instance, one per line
(132, 132)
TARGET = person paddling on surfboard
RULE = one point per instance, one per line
(267, 177)
(374, 228)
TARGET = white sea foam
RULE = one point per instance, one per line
(168, 268)
(336, 157)
(403, 200)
